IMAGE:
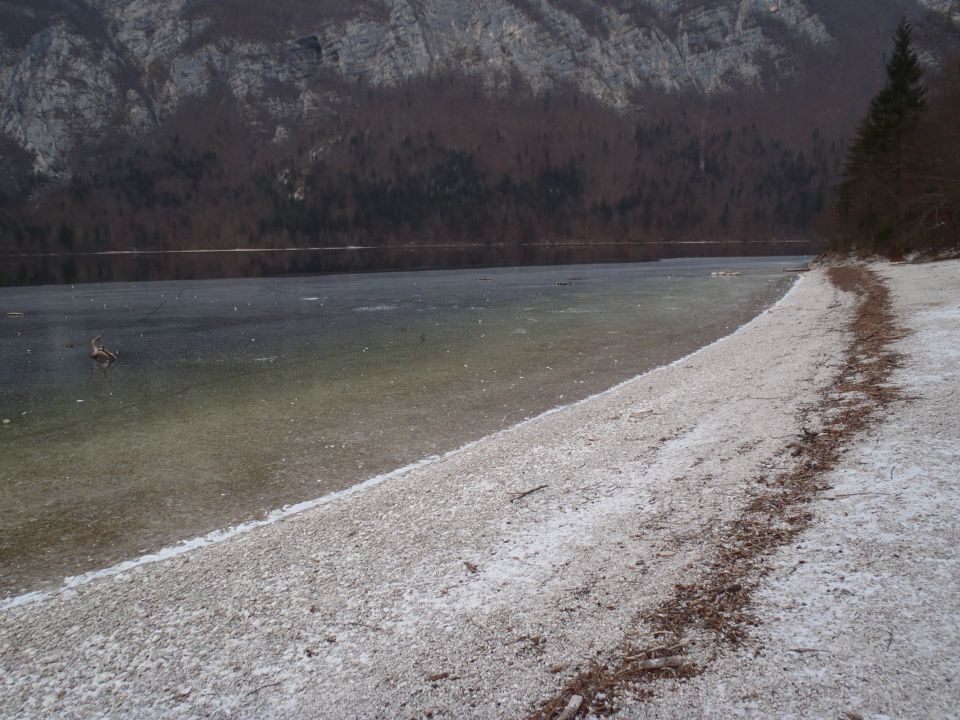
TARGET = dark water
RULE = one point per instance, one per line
(146, 265)
(233, 397)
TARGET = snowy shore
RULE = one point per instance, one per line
(448, 590)
(861, 618)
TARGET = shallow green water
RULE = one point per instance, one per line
(235, 397)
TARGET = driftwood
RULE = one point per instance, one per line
(672, 661)
(521, 495)
(264, 687)
(570, 711)
(846, 495)
(663, 648)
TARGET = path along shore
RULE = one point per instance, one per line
(447, 591)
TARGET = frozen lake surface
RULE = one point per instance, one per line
(235, 397)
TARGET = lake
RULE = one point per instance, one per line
(235, 397)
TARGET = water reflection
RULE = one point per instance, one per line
(147, 265)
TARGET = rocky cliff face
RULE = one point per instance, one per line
(221, 124)
(75, 72)
(949, 9)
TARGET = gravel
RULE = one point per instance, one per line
(861, 618)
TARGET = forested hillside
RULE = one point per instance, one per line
(672, 129)
(440, 161)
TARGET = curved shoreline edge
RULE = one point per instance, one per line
(465, 595)
(278, 514)
(468, 596)
(859, 616)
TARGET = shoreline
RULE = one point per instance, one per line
(275, 515)
(39, 270)
(858, 617)
(330, 608)
(469, 597)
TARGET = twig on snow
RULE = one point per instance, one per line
(521, 495)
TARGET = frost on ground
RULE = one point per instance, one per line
(447, 591)
(861, 618)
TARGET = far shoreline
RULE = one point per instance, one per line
(145, 265)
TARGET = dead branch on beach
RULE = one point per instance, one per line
(520, 495)
(671, 647)
(264, 687)
(673, 661)
(573, 706)
(856, 494)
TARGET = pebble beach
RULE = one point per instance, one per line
(477, 583)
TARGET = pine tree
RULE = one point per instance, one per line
(871, 192)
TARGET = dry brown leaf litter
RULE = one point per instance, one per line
(715, 609)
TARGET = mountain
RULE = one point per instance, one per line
(209, 123)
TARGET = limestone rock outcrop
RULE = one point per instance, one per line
(75, 72)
